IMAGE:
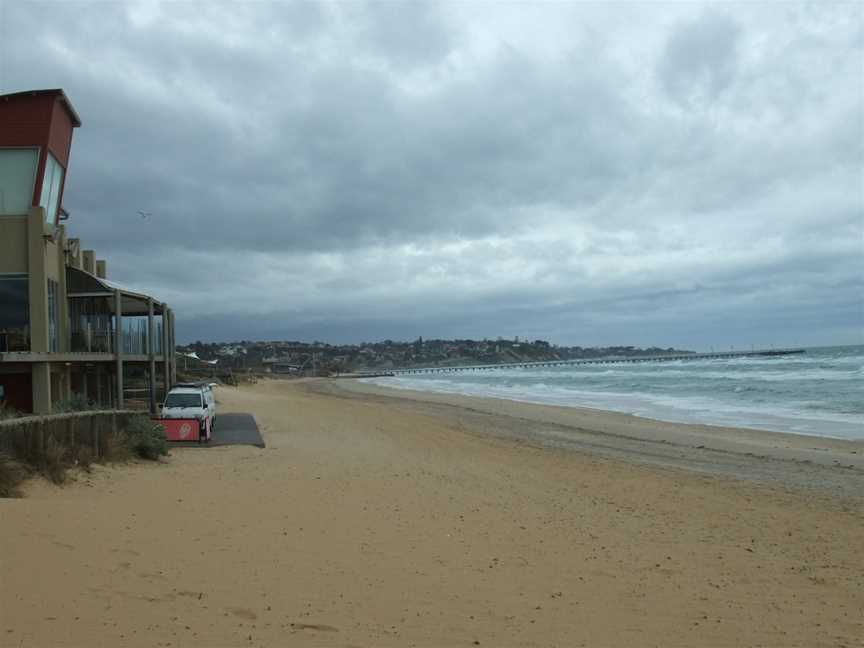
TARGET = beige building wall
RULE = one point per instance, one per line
(41, 376)
(89, 261)
(38, 280)
(13, 244)
(53, 260)
(29, 245)
(63, 324)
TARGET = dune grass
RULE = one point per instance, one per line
(142, 439)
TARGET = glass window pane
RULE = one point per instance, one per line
(183, 400)
(45, 197)
(17, 175)
(51, 185)
(14, 313)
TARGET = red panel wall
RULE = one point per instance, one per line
(181, 429)
(19, 392)
(25, 119)
(60, 137)
(37, 120)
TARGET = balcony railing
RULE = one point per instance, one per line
(15, 340)
(92, 341)
(134, 340)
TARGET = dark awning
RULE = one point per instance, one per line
(80, 283)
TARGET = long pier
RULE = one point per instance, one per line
(721, 355)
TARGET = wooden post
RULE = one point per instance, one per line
(118, 346)
(151, 355)
(172, 343)
(166, 367)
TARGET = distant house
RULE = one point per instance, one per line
(64, 327)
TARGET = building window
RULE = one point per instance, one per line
(90, 327)
(17, 175)
(14, 312)
(53, 315)
(51, 185)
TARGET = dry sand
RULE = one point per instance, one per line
(375, 520)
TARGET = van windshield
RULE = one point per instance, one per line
(183, 400)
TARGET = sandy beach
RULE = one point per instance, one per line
(377, 518)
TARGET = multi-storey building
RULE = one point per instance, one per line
(64, 327)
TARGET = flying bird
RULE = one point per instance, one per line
(144, 214)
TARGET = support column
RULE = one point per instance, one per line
(99, 373)
(66, 375)
(38, 282)
(166, 367)
(151, 355)
(63, 328)
(173, 344)
(41, 377)
(109, 384)
(118, 347)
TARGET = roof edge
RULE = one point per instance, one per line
(56, 92)
(110, 286)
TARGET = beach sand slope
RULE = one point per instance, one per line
(378, 521)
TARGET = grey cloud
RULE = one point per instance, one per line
(403, 33)
(700, 59)
(326, 165)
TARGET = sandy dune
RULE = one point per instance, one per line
(373, 521)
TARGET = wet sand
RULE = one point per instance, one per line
(790, 460)
(374, 519)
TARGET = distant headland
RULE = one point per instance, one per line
(320, 358)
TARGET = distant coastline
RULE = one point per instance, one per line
(320, 358)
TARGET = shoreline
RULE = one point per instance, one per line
(797, 460)
(676, 415)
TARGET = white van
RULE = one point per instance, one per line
(192, 401)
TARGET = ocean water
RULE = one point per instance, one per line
(820, 392)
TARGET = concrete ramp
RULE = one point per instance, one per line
(236, 428)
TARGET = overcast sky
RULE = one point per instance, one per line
(679, 174)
